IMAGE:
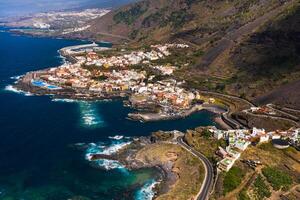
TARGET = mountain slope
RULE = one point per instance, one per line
(249, 47)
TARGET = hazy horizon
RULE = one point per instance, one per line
(23, 7)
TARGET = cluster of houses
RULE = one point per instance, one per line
(121, 78)
(77, 77)
(165, 69)
(167, 94)
(132, 58)
(238, 141)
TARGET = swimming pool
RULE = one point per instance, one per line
(38, 83)
(43, 84)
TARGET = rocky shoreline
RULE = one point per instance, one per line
(128, 158)
(150, 117)
(142, 114)
(24, 84)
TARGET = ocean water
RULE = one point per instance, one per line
(40, 138)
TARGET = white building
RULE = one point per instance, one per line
(241, 144)
(264, 138)
(218, 134)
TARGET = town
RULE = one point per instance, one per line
(94, 76)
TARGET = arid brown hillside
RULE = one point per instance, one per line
(249, 47)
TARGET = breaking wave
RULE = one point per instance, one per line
(62, 59)
(116, 137)
(10, 88)
(65, 100)
(106, 149)
(16, 77)
(147, 191)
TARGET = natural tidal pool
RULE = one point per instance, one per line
(38, 160)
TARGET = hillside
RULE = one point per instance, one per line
(247, 48)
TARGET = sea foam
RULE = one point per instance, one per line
(16, 77)
(147, 191)
(65, 100)
(116, 137)
(10, 88)
(105, 149)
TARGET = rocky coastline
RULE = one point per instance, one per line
(128, 157)
(24, 84)
(143, 114)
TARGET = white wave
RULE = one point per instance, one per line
(147, 191)
(10, 88)
(63, 59)
(116, 137)
(106, 150)
(16, 77)
(109, 164)
(115, 148)
(65, 100)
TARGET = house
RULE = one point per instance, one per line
(257, 132)
(232, 153)
(241, 144)
(226, 164)
(218, 134)
(221, 152)
(264, 138)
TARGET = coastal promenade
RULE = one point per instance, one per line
(204, 191)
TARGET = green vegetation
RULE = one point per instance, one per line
(133, 34)
(199, 53)
(155, 18)
(206, 134)
(201, 140)
(129, 16)
(232, 179)
(179, 18)
(261, 188)
(161, 136)
(243, 195)
(277, 178)
(190, 2)
(178, 57)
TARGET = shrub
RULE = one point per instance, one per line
(129, 16)
(232, 179)
(243, 195)
(277, 178)
(206, 134)
(178, 18)
(261, 188)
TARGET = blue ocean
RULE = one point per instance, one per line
(38, 135)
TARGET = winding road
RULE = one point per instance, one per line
(204, 191)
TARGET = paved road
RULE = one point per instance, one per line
(227, 115)
(293, 117)
(204, 191)
(228, 96)
(271, 117)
